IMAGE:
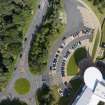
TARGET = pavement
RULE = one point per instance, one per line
(22, 67)
(78, 14)
(74, 24)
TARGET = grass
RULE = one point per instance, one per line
(103, 32)
(72, 67)
(22, 86)
(99, 14)
(35, 70)
(95, 45)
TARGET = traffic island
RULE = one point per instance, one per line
(22, 86)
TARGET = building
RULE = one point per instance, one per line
(94, 90)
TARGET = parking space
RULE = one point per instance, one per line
(65, 50)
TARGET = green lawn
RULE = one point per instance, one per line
(35, 70)
(22, 86)
(95, 45)
(103, 32)
(72, 67)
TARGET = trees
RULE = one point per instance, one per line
(14, 15)
(44, 95)
(50, 27)
(100, 5)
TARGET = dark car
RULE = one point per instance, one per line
(62, 73)
(103, 45)
(56, 55)
(55, 60)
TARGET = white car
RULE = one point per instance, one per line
(60, 91)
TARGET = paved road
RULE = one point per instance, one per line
(22, 68)
(74, 23)
(67, 48)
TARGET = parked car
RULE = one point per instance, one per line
(60, 91)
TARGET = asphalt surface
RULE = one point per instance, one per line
(22, 67)
(67, 48)
(74, 24)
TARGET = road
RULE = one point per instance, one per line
(74, 24)
(22, 67)
(67, 48)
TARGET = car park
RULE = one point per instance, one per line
(75, 34)
(62, 67)
(67, 54)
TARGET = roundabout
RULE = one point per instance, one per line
(62, 64)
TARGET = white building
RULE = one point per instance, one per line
(94, 89)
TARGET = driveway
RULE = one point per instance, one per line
(77, 13)
(74, 24)
(22, 67)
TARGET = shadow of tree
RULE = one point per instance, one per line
(44, 96)
(80, 54)
(14, 101)
(74, 87)
(3, 68)
(83, 59)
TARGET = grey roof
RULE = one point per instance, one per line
(84, 98)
